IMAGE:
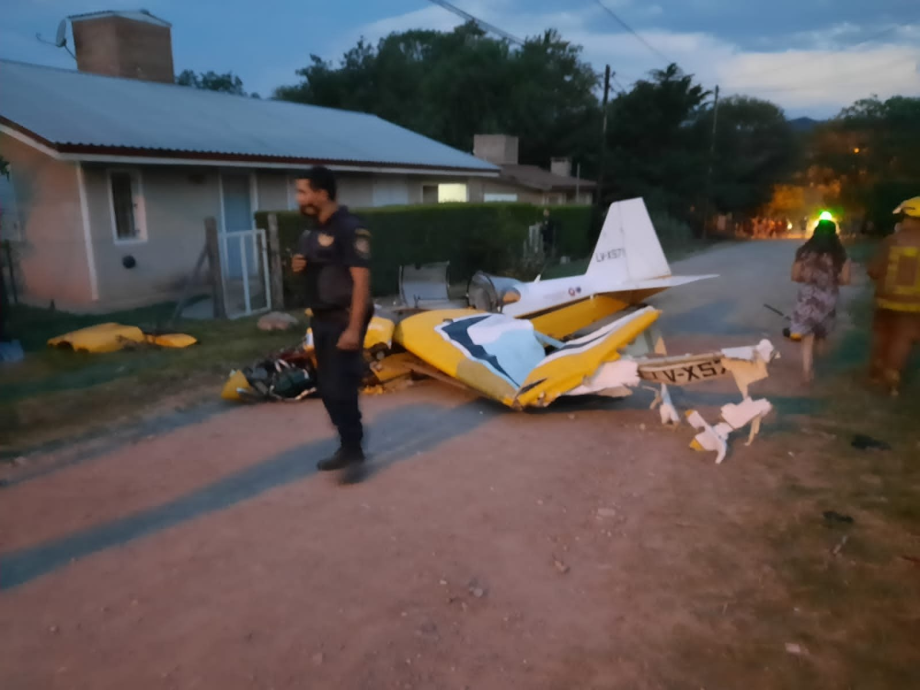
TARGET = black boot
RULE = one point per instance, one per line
(342, 458)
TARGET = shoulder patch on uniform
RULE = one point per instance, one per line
(326, 240)
(363, 244)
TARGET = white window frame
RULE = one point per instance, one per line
(140, 206)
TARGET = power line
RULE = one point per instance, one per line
(633, 32)
(484, 25)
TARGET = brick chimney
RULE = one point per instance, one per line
(499, 149)
(135, 45)
(561, 166)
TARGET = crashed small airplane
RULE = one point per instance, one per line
(527, 344)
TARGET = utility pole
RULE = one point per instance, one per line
(603, 156)
(712, 153)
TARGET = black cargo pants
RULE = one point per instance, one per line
(339, 374)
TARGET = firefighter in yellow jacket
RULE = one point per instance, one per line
(896, 272)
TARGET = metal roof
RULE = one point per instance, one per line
(76, 112)
(538, 178)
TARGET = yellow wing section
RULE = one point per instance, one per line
(569, 366)
(564, 321)
(423, 335)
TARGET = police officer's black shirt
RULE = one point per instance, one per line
(331, 250)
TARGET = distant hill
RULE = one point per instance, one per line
(804, 124)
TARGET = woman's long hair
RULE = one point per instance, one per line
(825, 241)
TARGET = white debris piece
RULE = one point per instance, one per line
(667, 410)
(735, 416)
(747, 412)
(711, 438)
(612, 379)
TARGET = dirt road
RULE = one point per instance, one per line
(582, 547)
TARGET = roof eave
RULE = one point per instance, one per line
(115, 154)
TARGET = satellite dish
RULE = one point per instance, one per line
(61, 39)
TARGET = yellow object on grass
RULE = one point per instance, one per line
(111, 337)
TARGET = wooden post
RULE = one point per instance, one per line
(274, 263)
(217, 284)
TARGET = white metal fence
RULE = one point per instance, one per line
(244, 272)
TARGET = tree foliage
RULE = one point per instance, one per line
(227, 82)
(755, 149)
(871, 154)
(451, 86)
(653, 148)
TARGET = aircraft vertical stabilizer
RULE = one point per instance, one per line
(628, 249)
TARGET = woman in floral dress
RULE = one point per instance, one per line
(821, 266)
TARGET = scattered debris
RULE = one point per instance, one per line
(863, 442)
(793, 648)
(912, 559)
(606, 512)
(834, 516)
(837, 549)
(318, 659)
(111, 337)
(475, 589)
(736, 416)
(560, 566)
(277, 321)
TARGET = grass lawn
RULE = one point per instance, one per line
(54, 394)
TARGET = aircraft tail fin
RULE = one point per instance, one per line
(628, 249)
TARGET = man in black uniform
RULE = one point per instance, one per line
(334, 260)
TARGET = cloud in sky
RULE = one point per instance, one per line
(824, 68)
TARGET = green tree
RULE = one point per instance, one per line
(755, 149)
(227, 82)
(654, 149)
(450, 86)
(870, 153)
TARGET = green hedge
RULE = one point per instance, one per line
(487, 236)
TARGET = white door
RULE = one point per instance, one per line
(236, 190)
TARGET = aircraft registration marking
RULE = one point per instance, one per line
(683, 373)
(610, 254)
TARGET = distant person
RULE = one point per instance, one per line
(334, 260)
(896, 323)
(821, 266)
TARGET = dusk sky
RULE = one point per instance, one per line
(812, 57)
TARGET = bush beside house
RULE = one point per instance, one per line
(487, 236)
